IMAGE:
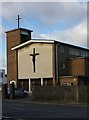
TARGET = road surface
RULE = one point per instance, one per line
(25, 109)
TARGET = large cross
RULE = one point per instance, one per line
(18, 20)
(34, 57)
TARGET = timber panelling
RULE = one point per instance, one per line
(61, 94)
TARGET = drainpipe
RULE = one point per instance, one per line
(57, 62)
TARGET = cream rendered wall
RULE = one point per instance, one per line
(43, 64)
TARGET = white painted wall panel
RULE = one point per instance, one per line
(44, 63)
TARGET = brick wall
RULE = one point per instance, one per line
(79, 66)
(13, 39)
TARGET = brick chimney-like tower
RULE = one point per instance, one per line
(14, 38)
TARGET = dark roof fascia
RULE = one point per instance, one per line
(71, 45)
(18, 29)
(58, 42)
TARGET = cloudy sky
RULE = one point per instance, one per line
(65, 21)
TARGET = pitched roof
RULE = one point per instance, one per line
(44, 41)
(32, 41)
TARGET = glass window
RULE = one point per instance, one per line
(61, 48)
(86, 54)
(76, 52)
(71, 50)
(83, 53)
(63, 65)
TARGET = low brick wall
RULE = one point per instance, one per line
(60, 93)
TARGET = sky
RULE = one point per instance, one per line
(62, 20)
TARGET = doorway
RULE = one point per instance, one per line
(35, 82)
(23, 84)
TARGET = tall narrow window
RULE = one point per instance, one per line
(61, 48)
(63, 65)
(71, 50)
(76, 52)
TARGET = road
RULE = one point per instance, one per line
(25, 109)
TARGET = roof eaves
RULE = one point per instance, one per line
(29, 42)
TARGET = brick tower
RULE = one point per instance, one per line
(13, 38)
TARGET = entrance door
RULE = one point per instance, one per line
(48, 81)
(23, 84)
(35, 82)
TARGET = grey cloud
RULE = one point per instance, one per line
(76, 35)
(45, 0)
(47, 12)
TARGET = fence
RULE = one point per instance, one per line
(61, 93)
(0, 91)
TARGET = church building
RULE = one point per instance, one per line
(44, 62)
